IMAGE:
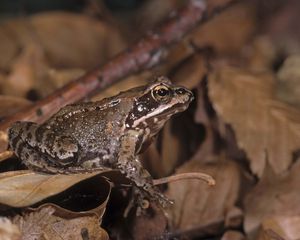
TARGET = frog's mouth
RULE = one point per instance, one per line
(177, 108)
(162, 113)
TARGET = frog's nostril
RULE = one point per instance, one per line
(181, 91)
(187, 94)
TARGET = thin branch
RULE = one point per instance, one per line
(184, 176)
(144, 54)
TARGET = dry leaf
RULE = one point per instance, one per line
(153, 12)
(260, 54)
(50, 222)
(151, 160)
(57, 33)
(289, 81)
(233, 235)
(76, 217)
(61, 77)
(191, 71)
(282, 26)
(288, 227)
(151, 226)
(213, 35)
(175, 144)
(269, 234)
(207, 133)
(196, 204)
(10, 105)
(265, 128)
(5, 155)
(223, 33)
(125, 84)
(171, 149)
(45, 44)
(24, 188)
(8, 230)
(177, 54)
(274, 196)
(98, 41)
(234, 218)
(28, 68)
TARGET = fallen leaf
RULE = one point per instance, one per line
(97, 43)
(150, 226)
(288, 89)
(26, 71)
(8, 230)
(275, 196)
(191, 71)
(153, 12)
(288, 227)
(50, 222)
(214, 34)
(269, 234)
(196, 204)
(76, 213)
(177, 54)
(10, 105)
(171, 149)
(57, 33)
(265, 127)
(127, 83)
(234, 218)
(208, 124)
(176, 143)
(60, 77)
(261, 54)
(5, 155)
(24, 188)
(233, 235)
(282, 26)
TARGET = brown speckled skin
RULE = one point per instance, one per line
(98, 135)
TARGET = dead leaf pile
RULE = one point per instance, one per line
(35, 46)
(242, 64)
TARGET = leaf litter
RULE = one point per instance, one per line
(242, 129)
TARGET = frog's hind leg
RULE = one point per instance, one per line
(20, 135)
(42, 149)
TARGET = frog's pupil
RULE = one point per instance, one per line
(162, 92)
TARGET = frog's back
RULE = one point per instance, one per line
(96, 126)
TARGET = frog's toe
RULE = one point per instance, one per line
(163, 200)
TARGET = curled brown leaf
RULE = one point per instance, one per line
(24, 188)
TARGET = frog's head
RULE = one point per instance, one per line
(156, 103)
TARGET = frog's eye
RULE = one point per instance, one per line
(161, 93)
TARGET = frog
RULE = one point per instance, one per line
(102, 135)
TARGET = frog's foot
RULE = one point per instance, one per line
(155, 195)
(141, 198)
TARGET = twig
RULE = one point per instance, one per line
(146, 53)
(183, 176)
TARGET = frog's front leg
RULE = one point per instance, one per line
(129, 165)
